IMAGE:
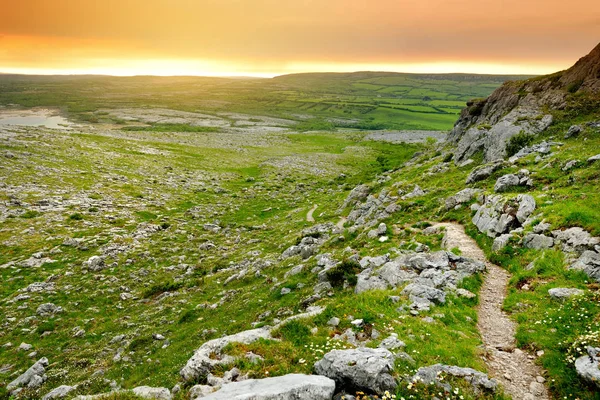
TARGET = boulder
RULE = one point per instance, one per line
(464, 196)
(59, 393)
(506, 183)
(95, 264)
(33, 378)
(574, 130)
(392, 342)
(587, 367)
(526, 207)
(209, 354)
(483, 172)
(359, 369)
(564, 293)
(588, 262)
(48, 309)
(501, 242)
(478, 380)
(286, 387)
(536, 241)
(153, 393)
(576, 240)
(594, 158)
(417, 292)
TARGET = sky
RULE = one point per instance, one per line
(273, 37)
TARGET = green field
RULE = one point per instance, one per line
(363, 100)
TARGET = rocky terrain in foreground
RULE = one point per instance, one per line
(266, 264)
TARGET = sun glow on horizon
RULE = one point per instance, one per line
(163, 67)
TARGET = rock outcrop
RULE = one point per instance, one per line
(518, 108)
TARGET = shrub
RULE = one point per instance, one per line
(76, 217)
(162, 288)
(574, 86)
(517, 142)
(346, 271)
(140, 343)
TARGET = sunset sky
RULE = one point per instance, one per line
(270, 37)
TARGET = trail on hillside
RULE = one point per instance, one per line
(309, 214)
(513, 368)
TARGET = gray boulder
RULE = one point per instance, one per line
(59, 393)
(574, 130)
(359, 369)
(501, 242)
(48, 309)
(392, 342)
(287, 387)
(95, 264)
(478, 380)
(576, 239)
(526, 207)
(153, 393)
(483, 172)
(536, 241)
(594, 158)
(506, 183)
(588, 262)
(204, 360)
(564, 293)
(587, 367)
(33, 378)
(464, 196)
(417, 292)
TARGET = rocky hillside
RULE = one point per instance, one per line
(192, 265)
(522, 107)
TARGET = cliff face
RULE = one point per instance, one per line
(517, 107)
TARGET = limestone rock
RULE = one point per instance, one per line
(564, 293)
(59, 392)
(153, 393)
(359, 369)
(286, 387)
(478, 380)
(33, 378)
(587, 367)
(536, 241)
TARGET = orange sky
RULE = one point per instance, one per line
(268, 37)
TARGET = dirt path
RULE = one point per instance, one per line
(341, 222)
(309, 214)
(513, 368)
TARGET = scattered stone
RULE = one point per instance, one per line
(564, 293)
(95, 264)
(48, 309)
(392, 342)
(478, 380)
(147, 392)
(335, 321)
(465, 293)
